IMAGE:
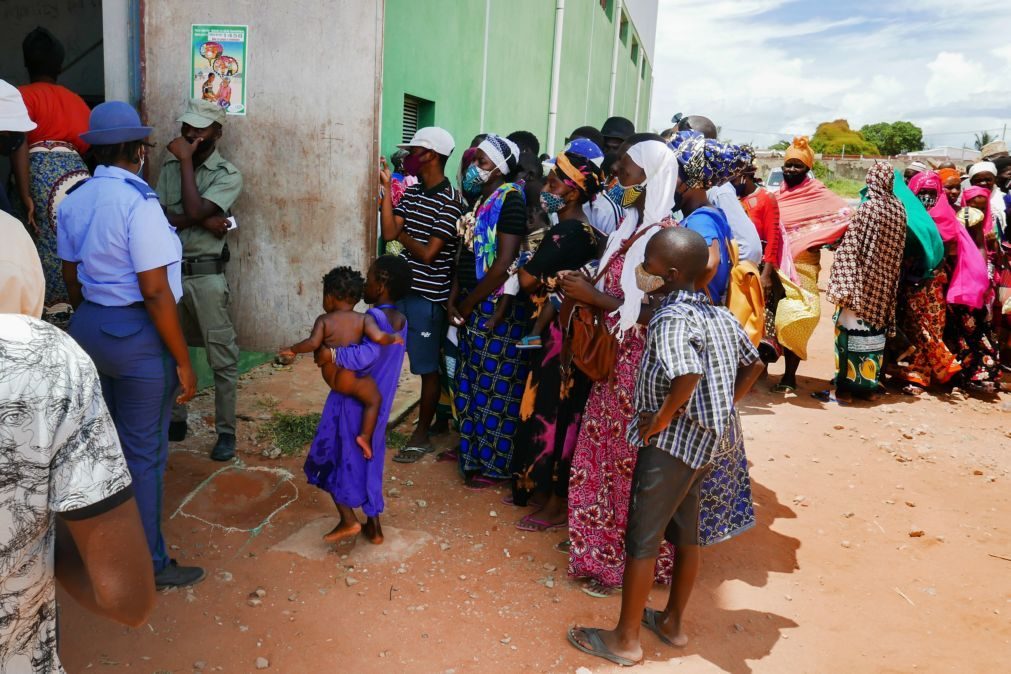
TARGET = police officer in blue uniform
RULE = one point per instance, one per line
(121, 264)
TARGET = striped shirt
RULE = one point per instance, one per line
(427, 214)
(688, 335)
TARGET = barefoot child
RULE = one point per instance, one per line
(340, 326)
(698, 363)
(334, 462)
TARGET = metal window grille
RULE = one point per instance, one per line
(411, 109)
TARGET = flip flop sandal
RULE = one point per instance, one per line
(412, 454)
(531, 523)
(598, 591)
(828, 397)
(480, 483)
(649, 617)
(783, 388)
(597, 646)
(529, 342)
(564, 546)
(448, 455)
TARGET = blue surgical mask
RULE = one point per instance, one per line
(552, 203)
(473, 179)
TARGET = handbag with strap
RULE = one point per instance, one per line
(589, 344)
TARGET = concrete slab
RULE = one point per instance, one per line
(239, 498)
(399, 544)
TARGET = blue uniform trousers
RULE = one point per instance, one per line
(139, 380)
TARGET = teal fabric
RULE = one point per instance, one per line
(924, 246)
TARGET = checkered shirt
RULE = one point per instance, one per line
(688, 335)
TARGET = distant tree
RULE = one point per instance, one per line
(834, 137)
(983, 138)
(895, 137)
(780, 145)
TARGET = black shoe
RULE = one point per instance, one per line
(174, 575)
(224, 448)
(176, 431)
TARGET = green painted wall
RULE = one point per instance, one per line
(433, 50)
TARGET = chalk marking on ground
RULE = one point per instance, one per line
(285, 474)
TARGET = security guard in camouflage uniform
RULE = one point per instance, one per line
(197, 187)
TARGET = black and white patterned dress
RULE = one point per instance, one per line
(59, 452)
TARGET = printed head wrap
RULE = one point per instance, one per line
(800, 149)
(579, 173)
(504, 153)
(707, 163)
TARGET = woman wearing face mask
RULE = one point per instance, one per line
(492, 372)
(603, 459)
(922, 304)
(813, 217)
(970, 331)
(555, 393)
(121, 266)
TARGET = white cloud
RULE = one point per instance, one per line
(770, 69)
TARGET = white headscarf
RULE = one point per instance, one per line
(981, 167)
(661, 168)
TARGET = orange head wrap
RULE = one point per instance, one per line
(800, 149)
(946, 173)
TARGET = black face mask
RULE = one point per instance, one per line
(794, 179)
(10, 142)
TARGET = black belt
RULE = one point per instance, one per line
(200, 267)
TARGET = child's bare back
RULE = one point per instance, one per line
(342, 326)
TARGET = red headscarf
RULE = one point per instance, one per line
(969, 280)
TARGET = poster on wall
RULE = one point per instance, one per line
(219, 66)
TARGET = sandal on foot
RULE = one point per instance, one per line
(448, 455)
(529, 342)
(784, 388)
(597, 646)
(531, 523)
(412, 454)
(598, 591)
(649, 617)
(480, 482)
(564, 546)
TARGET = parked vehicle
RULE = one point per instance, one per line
(774, 180)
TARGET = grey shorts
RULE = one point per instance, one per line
(426, 327)
(664, 503)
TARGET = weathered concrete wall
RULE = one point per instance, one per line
(307, 148)
(855, 169)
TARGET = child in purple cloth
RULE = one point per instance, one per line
(335, 463)
(340, 326)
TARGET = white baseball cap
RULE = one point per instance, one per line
(432, 138)
(13, 113)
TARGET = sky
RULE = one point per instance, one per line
(766, 70)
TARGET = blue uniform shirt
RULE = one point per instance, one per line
(114, 227)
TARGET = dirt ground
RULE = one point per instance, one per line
(882, 545)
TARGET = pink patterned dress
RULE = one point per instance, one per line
(601, 478)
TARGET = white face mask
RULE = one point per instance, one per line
(140, 169)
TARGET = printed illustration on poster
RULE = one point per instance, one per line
(219, 58)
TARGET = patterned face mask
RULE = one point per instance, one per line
(625, 196)
(927, 199)
(473, 179)
(647, 282)
(552, 203)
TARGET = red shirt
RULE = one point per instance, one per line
(59, 112)
(763, 210)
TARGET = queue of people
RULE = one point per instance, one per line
(592, 317)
